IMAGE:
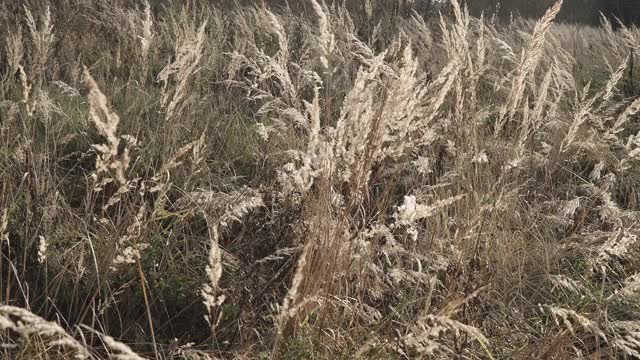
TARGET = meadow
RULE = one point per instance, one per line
(236, 180)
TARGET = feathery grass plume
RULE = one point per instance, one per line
(403, 126)
(42, 249)
(565, 283)
(161, 178)
(14, 50)
(426, 336)
(581, 115)
(44, 106)
(146, 38)
(134, 28)
(368, 8)
(617, 246)
(479, 67)
(457, 50)
(66, 88)
(128, 248)
(569, 208)
(456, 39)
(117, 350)
(42, 39)
(4, 226)
(632, 146)
(630, 289)
(106, 122)
(273, 80)
(627, 337)
(326, 38)
(189, 352)
(316, 159)
(566, 315)
(26, 90)
(244, 202)
(26, 324)
(357, 120)
(629, 112)
(614, 79)
(214, 273)
(233, 207)
(596, 173)
(480, 158)
(529, 61)
(421, 35)
(410, 212)
(370, 129)
(198, 153)
(629, 37)
(291, 299)
(610, 35)
(538, 109)
(283, 40)
(608, 209)
(147, 32)
(188, 50)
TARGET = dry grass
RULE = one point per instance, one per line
(198, 182)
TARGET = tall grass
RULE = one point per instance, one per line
(202, 181)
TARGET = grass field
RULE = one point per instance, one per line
(217, 180)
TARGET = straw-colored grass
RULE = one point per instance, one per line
(191, 180)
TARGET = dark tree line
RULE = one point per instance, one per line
(583, 11)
